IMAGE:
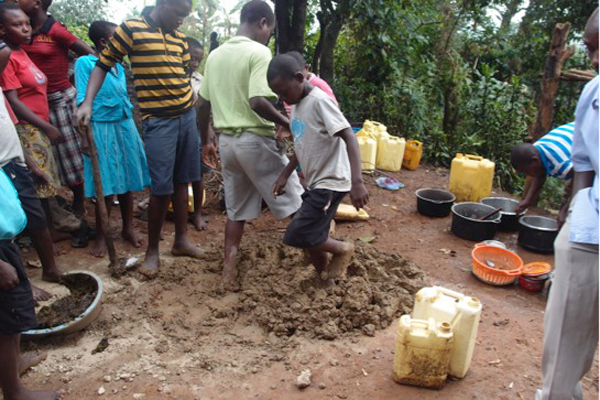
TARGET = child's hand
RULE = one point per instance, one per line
(8, 276)
(522, 206)
(210, 156)
(40, 175)
(83, 114)
(359, 195)
(54, 134)
(279, 186)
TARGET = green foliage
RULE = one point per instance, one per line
(79, 12)
(81, 32)
(447, 74)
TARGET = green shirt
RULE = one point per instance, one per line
(236, 72)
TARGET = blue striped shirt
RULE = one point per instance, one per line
(555, 150)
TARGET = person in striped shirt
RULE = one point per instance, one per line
(549, 156)
(159, 57)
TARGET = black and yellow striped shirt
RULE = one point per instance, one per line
(159, 61)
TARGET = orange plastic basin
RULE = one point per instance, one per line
(536, 269)
(495, 265)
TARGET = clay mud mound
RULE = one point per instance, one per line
(285, 296)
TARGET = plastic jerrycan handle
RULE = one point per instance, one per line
(473, 157)
(424, 324)
(417, 144)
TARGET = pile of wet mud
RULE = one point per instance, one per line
(82, 290)
(285, 296)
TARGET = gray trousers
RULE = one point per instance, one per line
(571, 320)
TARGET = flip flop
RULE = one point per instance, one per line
(389, 183)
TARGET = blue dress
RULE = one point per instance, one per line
(122, 159)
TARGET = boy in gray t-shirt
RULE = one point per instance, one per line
(328, 152)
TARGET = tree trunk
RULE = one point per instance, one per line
(291, 21)
(559, 53)
(332, 21)
(511, 9)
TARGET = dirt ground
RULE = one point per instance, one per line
(181, 337)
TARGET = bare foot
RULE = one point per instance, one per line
(151, 264)
(229, 275)
(199, 221)
(29, 360)
(186, 249)
(25, 394)
(339, 263)
(52, 275)
(40, 294)
(99, 247)
(132, 238)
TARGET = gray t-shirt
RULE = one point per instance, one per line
(322, 156)
(10, 145)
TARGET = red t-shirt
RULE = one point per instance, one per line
(49, 50)
(22, 75)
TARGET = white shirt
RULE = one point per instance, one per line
(322, 156)
(10, 145)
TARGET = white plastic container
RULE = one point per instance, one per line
(422, 352)
(461, 312)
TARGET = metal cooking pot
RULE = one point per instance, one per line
(538, 233)
(509, 219)
(434, 202)
(466, 221)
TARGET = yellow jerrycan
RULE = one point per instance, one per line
(471, 177)
(376, 129)
(461, 312)
(412, 154)
(367, 146)
(191, 199)
(390, 152)
(422, 352)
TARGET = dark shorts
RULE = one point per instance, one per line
(21, 179)
(17, 312)
(310, 225)
(173, 151)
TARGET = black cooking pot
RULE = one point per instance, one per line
(538, 233)
(434, 202)
(509, 219)
(466, 221)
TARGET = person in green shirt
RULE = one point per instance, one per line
(235, 89)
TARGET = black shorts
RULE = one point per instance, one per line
(21, 179)
(17, 312)
(310, 225)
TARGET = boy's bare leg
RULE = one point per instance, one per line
(43, 245)
(181, 245)
(12, 387)
(78, 198)
(55, 236)
(127, 232)
(157, 210)
(99, 247)
(342, 254)
(234, 231)
(197, 219)
(319, 259)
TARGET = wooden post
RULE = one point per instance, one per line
(559, 53)
(104, 225)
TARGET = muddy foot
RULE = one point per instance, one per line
(52, 275)
(132, 238)
(39, 294)
(99, 248)
(25, 394)
(229, 276)
(187, 250)
(339, 263)
(199, 222)
(151, 264)
(29, 360)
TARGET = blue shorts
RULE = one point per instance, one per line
(173, 151)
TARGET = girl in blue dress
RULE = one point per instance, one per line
(123, 165)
